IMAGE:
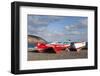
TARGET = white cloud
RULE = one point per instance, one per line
(82, 24)
(75, 32)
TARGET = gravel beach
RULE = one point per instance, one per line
(34, 55)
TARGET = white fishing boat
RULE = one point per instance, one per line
(77, 46)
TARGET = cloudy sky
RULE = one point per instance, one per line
(58, 28)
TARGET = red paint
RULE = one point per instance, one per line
(56, 47)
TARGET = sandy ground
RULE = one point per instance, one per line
(34, 55)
